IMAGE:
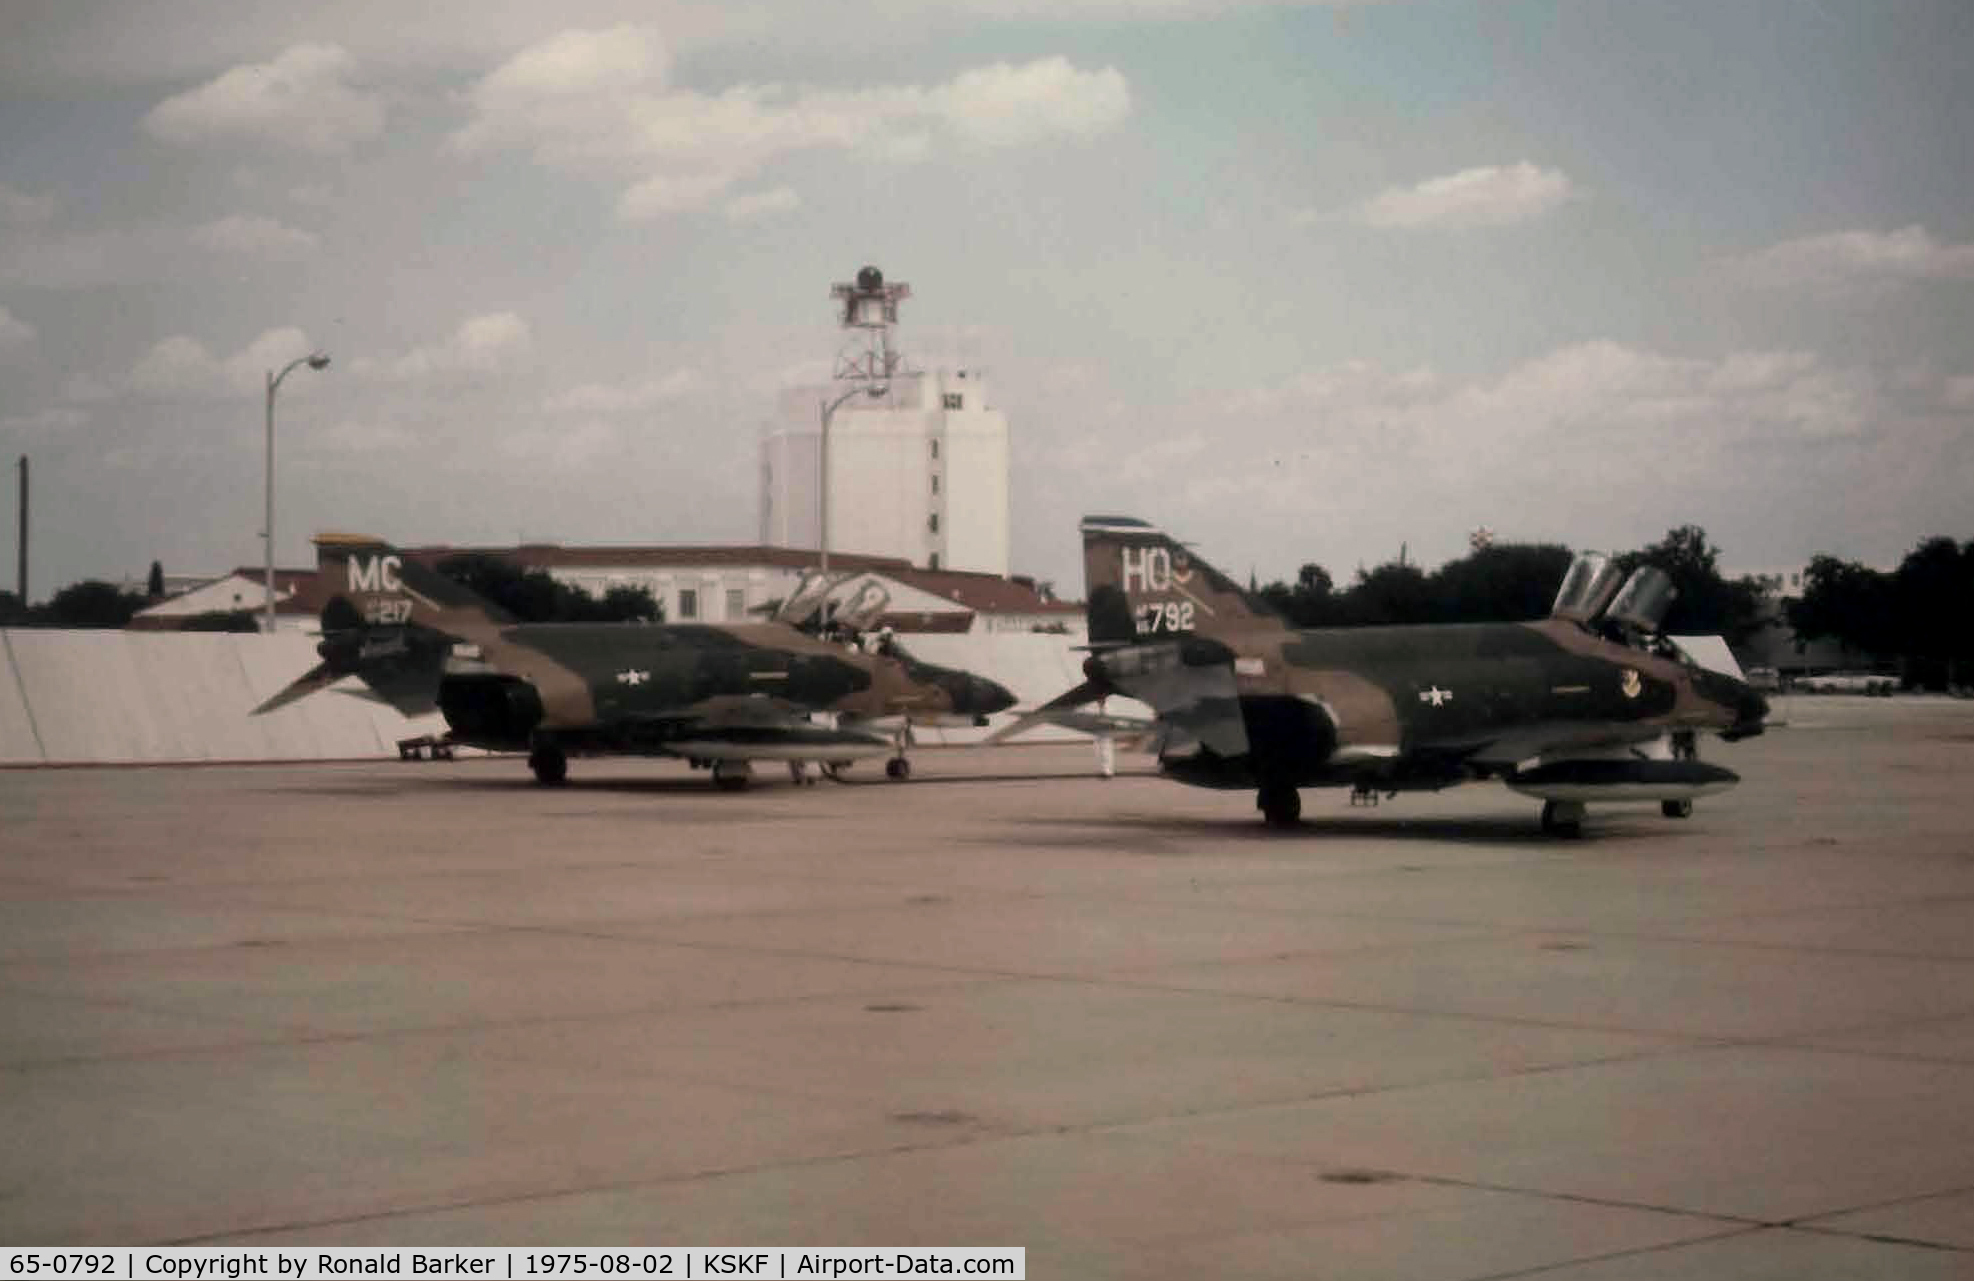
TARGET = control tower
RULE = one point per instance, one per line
(917, 459)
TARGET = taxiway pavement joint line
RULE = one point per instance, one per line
(1882, 1238)
(1619, 1254)
(1609, 1203)
(1810, 1220)
(606, 1185)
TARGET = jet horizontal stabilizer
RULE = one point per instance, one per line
(1185, 685)
(1055, 711)
(320, 676)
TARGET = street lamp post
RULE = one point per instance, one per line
(828, 412)
(314, 360)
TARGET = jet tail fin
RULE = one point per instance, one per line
(372, 584)
(1141, 584)
(389, 621)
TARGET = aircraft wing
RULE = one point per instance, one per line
(749, 728)
(1559, 740)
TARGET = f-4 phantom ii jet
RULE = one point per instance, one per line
(1589, 704)
(718, 695)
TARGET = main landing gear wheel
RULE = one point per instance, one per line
(731, 776)
(899, 768)
(550, 764)
(1562, 818)
(1280, 806)
(1676, 809)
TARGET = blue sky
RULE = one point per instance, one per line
(1300, 282)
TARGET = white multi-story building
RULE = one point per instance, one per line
(917, 462)
(920, 473)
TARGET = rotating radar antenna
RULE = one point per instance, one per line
(868, 308)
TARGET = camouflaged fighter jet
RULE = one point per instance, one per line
(718, 695)
(1587, 705)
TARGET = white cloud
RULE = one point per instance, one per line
(252, 237)
(181, 367)
(178, 366)
(1592, 412)
(24, 209)
(762, 204)
(600, 102)
(352, 436)
(70, 262)
(482, 344)
(81, 389)
(304, 100)
(574, 64)
(1008, 106)
(1489, 196)
(14, 333)
(673, 193)
(599, 398)
(1842, 258)
(1595, 443)
(59, 419)
(573, 448)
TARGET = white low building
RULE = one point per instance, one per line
(721, 584)
(242, 589)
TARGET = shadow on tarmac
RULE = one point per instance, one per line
(1506, 830)
(1108, 829)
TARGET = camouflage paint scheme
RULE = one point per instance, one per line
(1246, 700)
(720, 694)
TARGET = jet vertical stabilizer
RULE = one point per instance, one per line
(1144, 585)
(389, 622)
(385, 589)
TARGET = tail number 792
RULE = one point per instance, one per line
(1171, 616)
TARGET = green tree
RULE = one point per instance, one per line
(91, 603)
(536, 596)
(1932, 609)
(14, 612)
(1848, 603)
(154, 585)
(1500, 583)
(1707, 604)
(631, 605)
(1312, 602)
(1393, 593)
(222, 620)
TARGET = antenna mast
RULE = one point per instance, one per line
(870, 309)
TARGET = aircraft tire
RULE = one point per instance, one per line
(550, 764)
(1676, 809)
(1562, 818)
(899, 768)
(1280, 806)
